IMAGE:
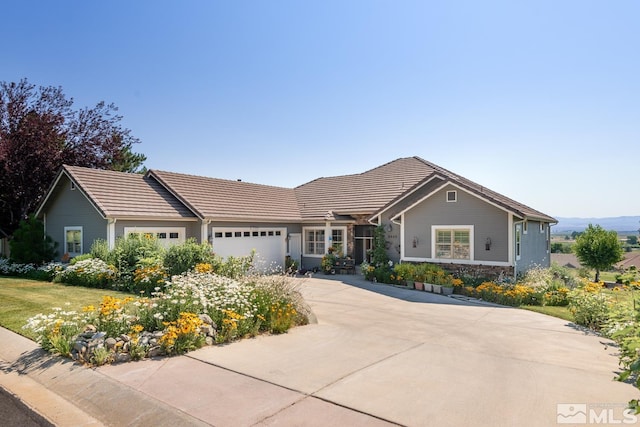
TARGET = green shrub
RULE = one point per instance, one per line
(233, 267)
(128, 253)
(405, 271)
(379, 256)
(100, 249)
(179, 259)
(555, 294)
(30, 245)
(590, 309)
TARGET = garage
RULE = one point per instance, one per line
(167, 236)
(269, 244)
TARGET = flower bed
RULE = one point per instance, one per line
(192, 310)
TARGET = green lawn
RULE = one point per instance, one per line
(619, 298)
(561, 312)
(21, 299)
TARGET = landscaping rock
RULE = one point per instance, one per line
(122, 358)
(80, 347)
(206, 319)
(155, 351)
(208, 330)
(110, 343)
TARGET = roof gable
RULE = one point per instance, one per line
(362, 193)
(478, 190)
(120, 194)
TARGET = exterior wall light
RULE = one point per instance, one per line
(487, 244)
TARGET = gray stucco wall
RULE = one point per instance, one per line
(69, 208)
(487, 220)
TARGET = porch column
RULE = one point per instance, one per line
(111, 233)
(204, 231)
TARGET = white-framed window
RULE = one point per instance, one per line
(337, 241)
(525, 226)
(314, 241)
(452, 196)
(73, 240)
(453, 242)
(72, 186)
(541, 227)
(317, 240)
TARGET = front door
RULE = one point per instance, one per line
(363, 249)
(295, 247)
(364, 243)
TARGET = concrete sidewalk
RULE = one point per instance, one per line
(379, 355)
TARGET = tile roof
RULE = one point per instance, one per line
(159, 193)
(119, 194)
(362, 193)
(374, 190)
(631, 259)
(213, 198)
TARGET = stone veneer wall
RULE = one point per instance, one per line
(481, 271)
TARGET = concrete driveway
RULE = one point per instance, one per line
(414, 358)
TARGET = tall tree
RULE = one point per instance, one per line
(40, 131)
(598, 248)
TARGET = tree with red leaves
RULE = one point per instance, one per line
(40, 131)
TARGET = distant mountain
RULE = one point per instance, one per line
(629, 224)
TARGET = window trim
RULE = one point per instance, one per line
(434, 240)
(541, 226)
(525, 226)
(342, 230)
(169, 240)
(305, 241)
(455, 196)
(74, 228)
(328, 238)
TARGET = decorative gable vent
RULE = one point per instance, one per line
(452, 196)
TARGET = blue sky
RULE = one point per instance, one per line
(538, 100)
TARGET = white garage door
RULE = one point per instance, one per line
(268, 243)
(166, 236)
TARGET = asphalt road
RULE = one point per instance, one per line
(15, 413)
